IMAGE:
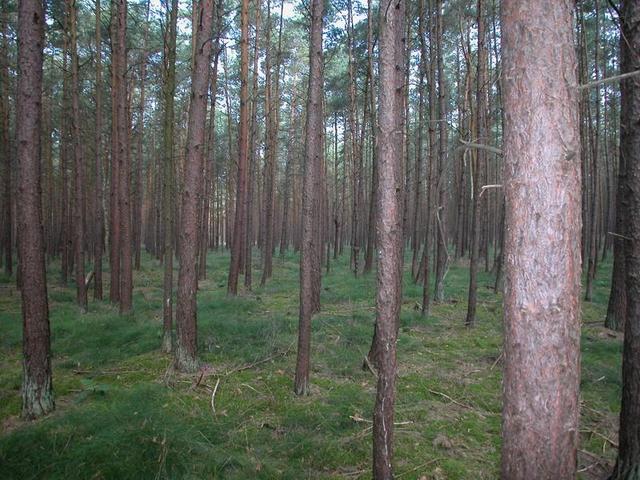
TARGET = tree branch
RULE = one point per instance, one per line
(609, 80)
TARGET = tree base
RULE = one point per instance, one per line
(167, 343)
(185, 362)
(626, 471)
(611, 322)
(301, 387)
(37, 400)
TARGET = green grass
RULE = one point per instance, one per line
(122, 413)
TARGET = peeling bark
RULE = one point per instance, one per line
(542, 242)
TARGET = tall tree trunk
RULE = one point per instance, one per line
(310, 270)
(124, 164)
(246, 261)
(98, 244)
(354, 148)
(371, 229)
(442, 257)
(168, 170)
(273, 121)
(617, 307)
(37, 393)
(5, 143)
(209, 159)
(286, 194)
(65, 229)
(389, 228)
(628, 462)
(186, 312)
(78, 155)
(542, 243)
(138, 194)
(114, 203)
(241, 214)
(477, 165)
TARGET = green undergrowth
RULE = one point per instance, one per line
(122, 413)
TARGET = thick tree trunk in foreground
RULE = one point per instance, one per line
(240, 220)
(314, 153)
(37, 393)
(186, 312)
(628, 463)
(389, 230)
(542, 243)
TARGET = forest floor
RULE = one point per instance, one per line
(123, 414)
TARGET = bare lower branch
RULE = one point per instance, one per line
(613, 79)
(487, 187)
(479, 146)
(613, 234)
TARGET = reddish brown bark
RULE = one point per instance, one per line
(168, 171)
(137, 182)
(114, 203)
(239, 224)
(628, 462)
(98, 245)
(273, 121)
(78, 155)
(441, 213)
(389, 229)
(477, 166)
(542, 243)
(186, 312)
(65, 210)
(314, 152)
(286, 194)
(37, 394)
(124, 165)
(5, 144)
(368, 257)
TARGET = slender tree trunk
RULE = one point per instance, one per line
(186, 312)
(65, 231)
(98, 245)
(286, 195)
(78, 155)
(246, 262)
(441, 211)
(138, 194)
(37, 393)
(209, 159)
(628, 462)
(314, 153)
(478, 164)
(168, 170)
(241, 214)
(542, 254)
(354, 147)
(5, 143)
(272, 152)
(124, 164)
(114, 210)
(389, 229)
(371, 233)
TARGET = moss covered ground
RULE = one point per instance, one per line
(122, 413)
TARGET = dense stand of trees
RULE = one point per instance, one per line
(488, 132)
